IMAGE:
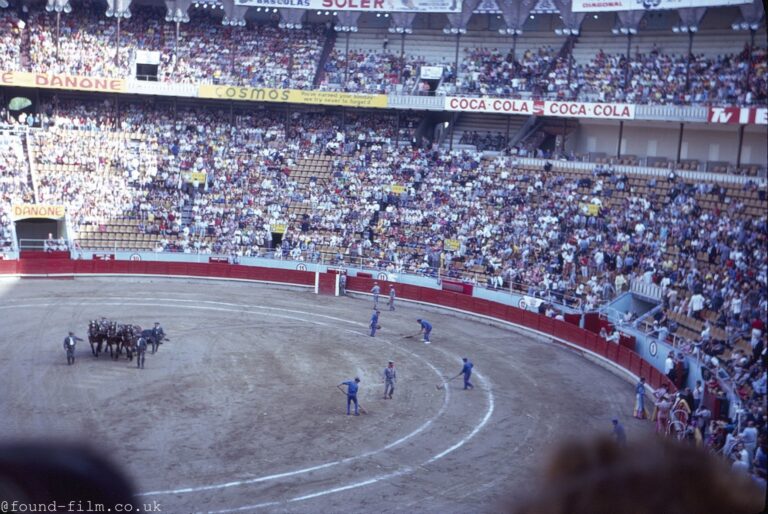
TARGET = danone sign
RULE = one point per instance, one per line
(60, 81)
(24, 211)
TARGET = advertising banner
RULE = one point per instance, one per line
(251, 94)
(738, 115)
(278, 228)
(60, 81)
(431, 72)
(590, 209)
(200, 176)
(647, 5)
(24, 211)
(489, 105)
(540, 108)
(359, 5)
(397, 188)
(585, 110)
(451, 245)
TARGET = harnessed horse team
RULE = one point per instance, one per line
(118, 337)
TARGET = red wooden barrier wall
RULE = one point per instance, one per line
(622, 356)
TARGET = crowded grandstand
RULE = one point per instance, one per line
(572, 158)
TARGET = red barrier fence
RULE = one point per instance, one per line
(618, 354)
(584, 339)
(192, 269)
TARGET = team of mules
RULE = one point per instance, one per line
(118, 337)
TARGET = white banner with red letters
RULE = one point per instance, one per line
(646, 5)
(489, 105)
(606, 111)
(601, 111)
(359, 5)
(740, 115)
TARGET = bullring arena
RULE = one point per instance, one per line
(569, 195)
(239, 410)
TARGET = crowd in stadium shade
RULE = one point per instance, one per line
(10, 41)
(483, 142)
(260, 56)
(376, 72)
(14, 183)
(495, 73)
(206, 51)
(656, 78)
(367, 72)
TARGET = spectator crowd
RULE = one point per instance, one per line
(209, 181)
(658, 78)
(264, 55)
(15, 182)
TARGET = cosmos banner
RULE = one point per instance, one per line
(650, 5)
(251, 94)
(359, 5)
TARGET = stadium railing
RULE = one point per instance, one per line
(691, 176)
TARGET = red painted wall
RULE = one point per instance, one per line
(585, 339)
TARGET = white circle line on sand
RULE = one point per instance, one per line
(286, 474)
(389, 476)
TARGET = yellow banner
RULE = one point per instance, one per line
(278, 228)
(451, 245)
(24, 211)
(591, 209)
(200, 176)
(59, 81)
(266, 94)
(397, 188)
(338, 98)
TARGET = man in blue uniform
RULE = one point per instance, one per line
(374, 322)
(158, 334)
(141, 350)
(375, 290)
(467, 372)
(352, 386)
(426, 329)
(69, 346)
(391, 302)
(618, 432)
(390, 377)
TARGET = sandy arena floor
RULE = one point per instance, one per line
(240, 411)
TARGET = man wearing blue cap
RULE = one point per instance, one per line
(352, 386)
(390, 377)
(618, 432)
(375, 290)
(426, 329)
(374, 322)
(466, 370)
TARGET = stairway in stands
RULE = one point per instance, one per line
(29, 152)
(482, 124)
(330, 42)
(186, 215)
(306, 171)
